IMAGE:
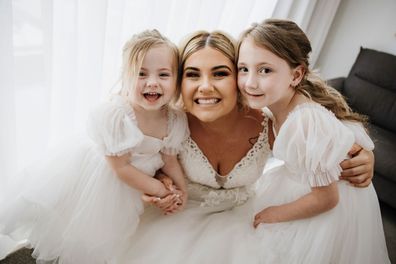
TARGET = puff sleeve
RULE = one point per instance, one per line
(361, 136)
(113, 127)
(313, 142)
(178, 132)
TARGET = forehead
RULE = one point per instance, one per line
(159, 55)
(208, 58)
(249, 51)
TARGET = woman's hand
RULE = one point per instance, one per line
(359, 169)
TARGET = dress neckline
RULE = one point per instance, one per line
(222, 179)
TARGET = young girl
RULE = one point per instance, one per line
(304, 200)
(84, 203)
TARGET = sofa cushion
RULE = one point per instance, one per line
(384, 152)
(371, 87)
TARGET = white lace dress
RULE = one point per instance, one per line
(312, 142)
(217, 224)
(72, 205)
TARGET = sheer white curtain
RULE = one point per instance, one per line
(58, 58)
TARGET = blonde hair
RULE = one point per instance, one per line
(285, 39)
(133, 55)
(198, 40)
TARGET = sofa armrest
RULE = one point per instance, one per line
(337, 83)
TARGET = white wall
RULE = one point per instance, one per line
(367, 23)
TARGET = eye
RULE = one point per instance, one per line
(164, 74)
(192, 74)
(265, 70)
(220, 74)
(142, 74)
(242, 69)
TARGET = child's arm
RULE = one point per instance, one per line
(134, 177)
(319, 200)
(173, 169)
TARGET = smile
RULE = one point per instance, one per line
(254, 95)
(207, 101)
(152, 96)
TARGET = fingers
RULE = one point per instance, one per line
(355, 171)
(355, 150)
(364, 184)
(257, 220)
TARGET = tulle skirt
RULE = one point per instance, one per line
(350, 233)
(71, 207)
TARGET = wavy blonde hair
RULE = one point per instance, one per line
(286, 40)
(133, 55)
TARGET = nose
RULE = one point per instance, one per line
(206, 85)
(152, 81)
(251, 81)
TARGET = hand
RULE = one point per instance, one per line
(180, 203)
(267, 215)
(359, 169)
(166, 180)
(167, 204)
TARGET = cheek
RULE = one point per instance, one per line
(241, 81)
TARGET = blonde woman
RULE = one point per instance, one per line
(223, 159)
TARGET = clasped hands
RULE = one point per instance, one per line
(172, 202)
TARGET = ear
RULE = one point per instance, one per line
(298, 75)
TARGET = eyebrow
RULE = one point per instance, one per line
(213, 69)
(161, 69)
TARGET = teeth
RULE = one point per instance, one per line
(152, 93)
(208, 101)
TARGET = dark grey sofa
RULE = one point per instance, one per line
(370, 89)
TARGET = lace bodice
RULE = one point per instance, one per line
(213, 188)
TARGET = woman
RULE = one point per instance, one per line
(223, 158)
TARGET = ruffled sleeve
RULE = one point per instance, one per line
(112, 126)
(313, 142)
(178, 132)
(361, 136)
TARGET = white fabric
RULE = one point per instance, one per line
(71, 205)
(309, 143)
(216, 226)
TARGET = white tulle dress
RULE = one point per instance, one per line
(217, 224)
(312, 142)
(71, 206)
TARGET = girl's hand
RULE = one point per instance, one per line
(166, 180)
(359, 169)
(167, 203)
(180, 203)
(267, 216)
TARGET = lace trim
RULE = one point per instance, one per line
(211, 197)
(259, 145)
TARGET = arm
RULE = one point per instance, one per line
(174, 170)
(358, 170)
(319, 200)
(134, 177)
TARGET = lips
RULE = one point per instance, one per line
(254, 95)
(152, 96)
(207, 101)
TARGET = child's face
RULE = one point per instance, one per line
(156, 81)
(209, 85)
(264, 78)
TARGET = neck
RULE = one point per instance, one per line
(282, 108)
(149, 114)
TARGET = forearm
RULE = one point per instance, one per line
(136, 178)
(319, 200)
(173, 169)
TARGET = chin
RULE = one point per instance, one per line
(256, 104)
